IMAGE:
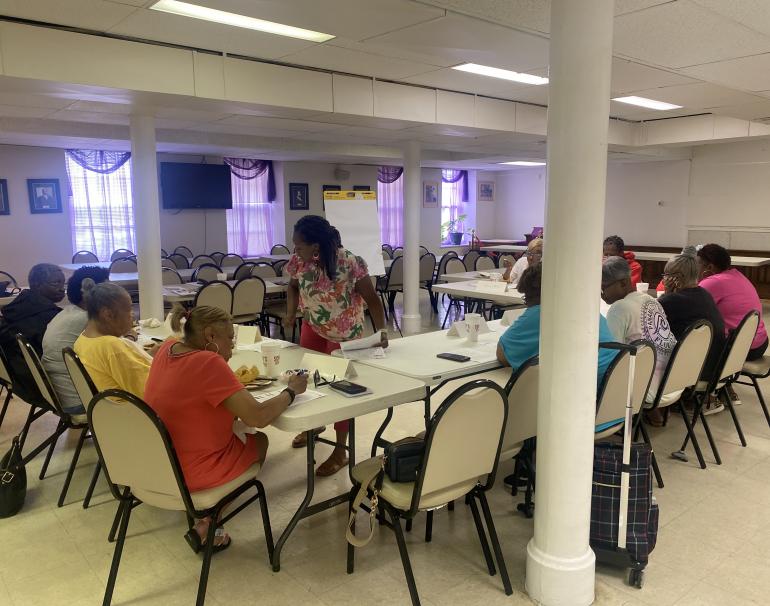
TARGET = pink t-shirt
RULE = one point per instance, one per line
(735, 296)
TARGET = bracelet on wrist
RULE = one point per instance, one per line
(291, 393)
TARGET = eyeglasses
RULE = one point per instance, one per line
(319, 381)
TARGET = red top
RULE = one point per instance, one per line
(187, 391)
(634, 266)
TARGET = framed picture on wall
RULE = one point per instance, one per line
(299, 198)
(486, 191)
(362, 188)
(5, 209)
(44, 196)
(430, 193)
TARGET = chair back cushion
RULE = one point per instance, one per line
(264, 271)
(202, 260)
(121, 253)
(464, 438)
(248, 296)
(207, 273)
(231, 260)
(38, 373)
(171, 276)
(80, 377)
(522, 405)
(180, 261)
(165, 262)
(84, 256)
(243, 270)
(184, 251)
(215, 294)
(396, 274)
(614, 392)
(123, 266)
(469, 260)
(280, 249)
(133, 449)
(687, 359)
(739, 344)
(427, 267)
(484, 263)
(454, 266)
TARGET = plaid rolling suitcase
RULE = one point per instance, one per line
(624, 514)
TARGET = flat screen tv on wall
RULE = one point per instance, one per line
(185, 185)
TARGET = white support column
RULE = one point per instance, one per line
(412, 204)
(560, 563)
(144, 189)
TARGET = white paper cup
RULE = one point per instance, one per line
(222, 276)
(271, 358)
(660, 293)
(642, 287)
(473, 321)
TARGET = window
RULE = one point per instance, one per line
(454, 192)
(249, 222)
(101, 208)
(390, 204)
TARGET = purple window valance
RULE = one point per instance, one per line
(389, 174)
(248, 168)
(97, 160)
(449, 175)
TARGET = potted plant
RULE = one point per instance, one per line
(452, 232)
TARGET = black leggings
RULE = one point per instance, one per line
(757, 352)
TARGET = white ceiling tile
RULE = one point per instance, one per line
(16, 111)
(164, 27)
(451, 79)
(702, 95)
(531, 94)
(628, 76)
(90, 117)
(336, 58)
(630, 6)
(100, 107)
(277, 123)
(746, 73)
(678, 34)
(33, 100)
(353, 18)
(461, 39)
(749, 111)
(754, 14)
(87, 14)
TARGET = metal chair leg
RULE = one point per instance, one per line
(208, 551)
(482, 537)
(655, 468)
(691, 435)
(736, 422)
(265, 520)
(762, 402)
(396, 523)
(59, 430)
(8, 395)
(92, 485)
(429, 527)
(25, 429)
(495, 544)
(73, 464)
(124, 513)
(351, 555)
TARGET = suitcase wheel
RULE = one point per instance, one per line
(636, 577)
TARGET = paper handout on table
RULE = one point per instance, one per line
(177, 290)
(374, 340)
(459, 328)
(308, 396)
(372, 353)
(247, 335)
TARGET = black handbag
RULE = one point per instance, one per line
(13, 481)
(404, 458)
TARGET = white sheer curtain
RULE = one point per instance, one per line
(451, 200)
(390, 207)
(101, 209)
(249, 222)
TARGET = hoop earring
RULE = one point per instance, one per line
(316, 256)
(214, 344)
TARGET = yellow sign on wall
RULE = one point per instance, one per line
(349, 195)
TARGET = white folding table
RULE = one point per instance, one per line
(505, 248)
(482, 290)
(465, 276)
(183, 293)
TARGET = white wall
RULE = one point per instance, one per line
(26, 239)
(519, 203)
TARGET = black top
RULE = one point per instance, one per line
(686, 307)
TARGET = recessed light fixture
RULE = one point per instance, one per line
(496, 72)
(523, 163)
(648, 103)
(185, 9)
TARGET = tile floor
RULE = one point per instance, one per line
(713, 543)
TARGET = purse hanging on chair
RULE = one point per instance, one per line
(13, 481)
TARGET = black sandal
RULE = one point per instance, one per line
(197, 545)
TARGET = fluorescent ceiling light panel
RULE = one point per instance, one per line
(523, 163)
(504, 74)
(648, 103)
(185, 9)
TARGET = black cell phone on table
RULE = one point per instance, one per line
(348, 388)
(453, 357)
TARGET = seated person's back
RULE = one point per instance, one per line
(686, 303)
(63, 331)
(521, 340)
(30, 314)
(111, 361)
(635, 315)
(733, 293)
(197, 396)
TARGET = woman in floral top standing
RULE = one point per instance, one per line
(332, 284)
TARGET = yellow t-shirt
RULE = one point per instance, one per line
(114, 363)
